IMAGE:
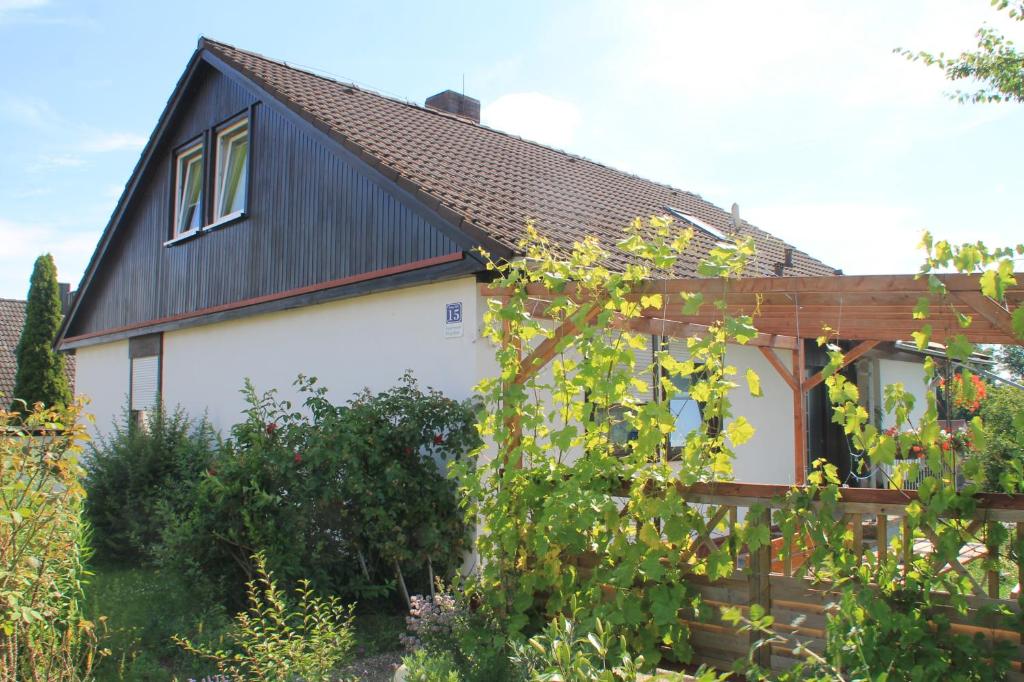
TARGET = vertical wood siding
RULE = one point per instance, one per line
(312, 217)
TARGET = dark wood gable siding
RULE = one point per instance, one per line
(313, 217)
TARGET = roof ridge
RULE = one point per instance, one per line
(410, 103)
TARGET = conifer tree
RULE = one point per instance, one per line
(40, 376)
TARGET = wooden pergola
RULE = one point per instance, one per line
(788, 310)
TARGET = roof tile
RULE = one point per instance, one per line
(495, 180)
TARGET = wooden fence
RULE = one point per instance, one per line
(875, 518)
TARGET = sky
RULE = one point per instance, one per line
(798, 111)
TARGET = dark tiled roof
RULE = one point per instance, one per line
(492, 180)
(12, 320)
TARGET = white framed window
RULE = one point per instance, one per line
(188, 190)
(232, 173)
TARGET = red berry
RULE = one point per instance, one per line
(298, 458)
(271, 427)
(438, 439)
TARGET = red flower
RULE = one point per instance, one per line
(298, 457)
(271, 427)
(438, 439)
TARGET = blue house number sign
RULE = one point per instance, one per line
(453, 320)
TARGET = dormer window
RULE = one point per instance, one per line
(188, 190)
(232, 174)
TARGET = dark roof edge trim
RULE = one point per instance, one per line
(425, 271)
(134, 180)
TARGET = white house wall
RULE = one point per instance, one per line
(768, 456)
(102, 375)
(911, 375)
(367, 341)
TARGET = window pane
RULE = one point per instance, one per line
(232, 171)
(687, 415)
(190, 188)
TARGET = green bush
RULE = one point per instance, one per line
(421, 666)
(347, 496)
(272, 642)
(1002, 456)
(43, 549)
(137, 477)
(445, 627)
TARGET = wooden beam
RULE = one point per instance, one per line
(854, 353)
(998, 316)
(827, 284)
(542, 354)
(680, 330)
(773, 359)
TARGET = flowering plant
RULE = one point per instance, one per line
(965, 395)
(909, 444)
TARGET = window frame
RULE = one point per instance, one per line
(208, 140)
(143, 347)
(195, 145)
(220, 131)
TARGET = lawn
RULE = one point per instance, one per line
(143, 608)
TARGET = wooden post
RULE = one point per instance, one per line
(760, 581)
(1020, 559)
(908, 545)
(882, 534)
(799, 426)
(857, 526)
(734, 550)
(993, 555)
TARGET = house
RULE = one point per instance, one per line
(280, 222)
(12, 320)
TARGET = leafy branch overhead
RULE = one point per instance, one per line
(996, 65)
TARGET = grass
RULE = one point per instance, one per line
(378, 633)
(144, 608)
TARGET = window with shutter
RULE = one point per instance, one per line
(144, 353)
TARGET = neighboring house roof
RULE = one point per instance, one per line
(494, 181)
(12, 321)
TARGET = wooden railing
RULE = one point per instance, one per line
(769, 576)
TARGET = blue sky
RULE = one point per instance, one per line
(798, 111)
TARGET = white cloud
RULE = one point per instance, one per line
(534, 116)
(51, 161)
(12, 6)
(860, 238)
(24, 242)
(28, 111)
(112, 142)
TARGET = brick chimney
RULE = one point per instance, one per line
(454, 103)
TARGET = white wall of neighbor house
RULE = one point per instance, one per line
(102, 375)
(367, 341)
(911, 375)
(768, 456)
